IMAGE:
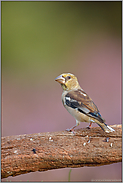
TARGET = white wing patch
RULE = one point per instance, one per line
(68, 98)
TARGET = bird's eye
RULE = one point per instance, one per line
(68, 77)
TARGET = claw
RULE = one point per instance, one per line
(70, 130)
(90, 125)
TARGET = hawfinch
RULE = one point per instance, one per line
(79, 104)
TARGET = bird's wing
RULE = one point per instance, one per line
(80, 101)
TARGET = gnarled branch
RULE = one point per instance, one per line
(44, 151)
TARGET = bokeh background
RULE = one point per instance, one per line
(41, 40)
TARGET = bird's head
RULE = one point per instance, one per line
(68, 81)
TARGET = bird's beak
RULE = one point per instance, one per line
(60, 79)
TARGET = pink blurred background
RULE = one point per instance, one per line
(31, 99)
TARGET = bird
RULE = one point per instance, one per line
(79, 104)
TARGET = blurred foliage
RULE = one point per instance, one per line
(38, 36)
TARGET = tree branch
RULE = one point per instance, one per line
(44, 151)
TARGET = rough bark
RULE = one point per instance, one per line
(44, 151)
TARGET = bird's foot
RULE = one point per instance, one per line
(70, 130)
(90, 125)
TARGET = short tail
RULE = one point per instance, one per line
(105, 127)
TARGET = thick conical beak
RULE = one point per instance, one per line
(60, 79)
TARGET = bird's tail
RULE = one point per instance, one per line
(105, 127)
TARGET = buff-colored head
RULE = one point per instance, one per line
(68, 81)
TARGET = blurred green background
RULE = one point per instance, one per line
(40, 37)
(41, 40)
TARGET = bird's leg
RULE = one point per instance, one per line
(71, 129)
(89, 125)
